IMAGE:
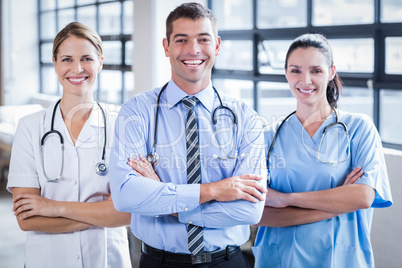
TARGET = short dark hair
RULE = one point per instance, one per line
(191, 11)
(334, 88)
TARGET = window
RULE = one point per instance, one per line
(365, 37)
(113, 20)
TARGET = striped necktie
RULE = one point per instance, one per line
(195, 233)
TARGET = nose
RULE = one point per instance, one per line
(306, 79)
(193, 47)
(78, 67)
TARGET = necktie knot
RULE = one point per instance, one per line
(190, 102)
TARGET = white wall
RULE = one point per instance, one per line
(20, 51)
(386, 232)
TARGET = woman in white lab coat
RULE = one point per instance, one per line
(59, 199)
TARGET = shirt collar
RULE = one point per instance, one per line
(174, 95)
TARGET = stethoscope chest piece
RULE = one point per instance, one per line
(153, 157)
(101, 168)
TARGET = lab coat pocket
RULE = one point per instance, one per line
(267, 256)
(37, 250)
(347, 256)
(117, 248)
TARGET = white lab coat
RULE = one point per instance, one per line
(94, 247)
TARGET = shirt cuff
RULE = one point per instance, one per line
(188, 199)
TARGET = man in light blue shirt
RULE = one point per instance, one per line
(232, 190)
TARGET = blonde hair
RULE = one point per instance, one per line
(79, 30)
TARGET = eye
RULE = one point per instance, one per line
(296, 71)
(66, 60)
(205, 40)
(316, 71)
(180, 41)
(87, 59)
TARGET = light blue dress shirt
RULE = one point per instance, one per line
(152, 202)
(339, 242)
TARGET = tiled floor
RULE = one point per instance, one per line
(12, 239)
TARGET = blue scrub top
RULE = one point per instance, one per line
(343, 241)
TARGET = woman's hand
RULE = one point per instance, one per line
(354, 176)
(143, 167)
(28, 205)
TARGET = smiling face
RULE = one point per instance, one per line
(192, 50)
(308, 73)
(77, 66)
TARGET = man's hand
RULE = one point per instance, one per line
(244, 187)
(143, 167)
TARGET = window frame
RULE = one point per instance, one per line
(120, 37)
(378, 31)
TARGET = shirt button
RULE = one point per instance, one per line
(78, 257)
(74, 182)
(185, 209)
(190, 222)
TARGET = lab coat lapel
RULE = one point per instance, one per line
(92, 130)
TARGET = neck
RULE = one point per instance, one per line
(76, 108)
(191, 88)
(311, 115)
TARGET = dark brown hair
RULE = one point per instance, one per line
(334, 87)
(191, 11)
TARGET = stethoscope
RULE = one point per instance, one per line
(100, 167)
(153, 157)
(324, 132)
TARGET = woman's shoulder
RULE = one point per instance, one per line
(356, 119)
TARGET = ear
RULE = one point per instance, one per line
(165, 44)
(100, 64)
(218, 46)
(54, 64)
(332, 73)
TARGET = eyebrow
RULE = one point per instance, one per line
(312, 67)
(186, 35)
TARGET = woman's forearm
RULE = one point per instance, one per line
(339, 200)
(51, 225)
(290, 216)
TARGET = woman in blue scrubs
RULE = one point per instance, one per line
(324, 187)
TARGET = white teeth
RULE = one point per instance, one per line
(192, 62)
(76, 80)
(306, 91)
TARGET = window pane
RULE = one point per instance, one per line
(357, 100)
(391, 11)
(87, 16)
(281, 14)
(47, 4)
(393, 55)
(65, 17)
(112, 52)
(128, 19)
(46, 52)
(390, 109)
(235, 55)
(238, 89)
(353, 55)
(65, 3)
(342, 12)
(129, 52)
(275, 101)
(110, 86)
(272, 55)
(128, 85)
(110, 22)
(48, 25)
(49, 81)
(233, 14)
(83, 2)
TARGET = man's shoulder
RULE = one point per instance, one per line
(142, 101)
